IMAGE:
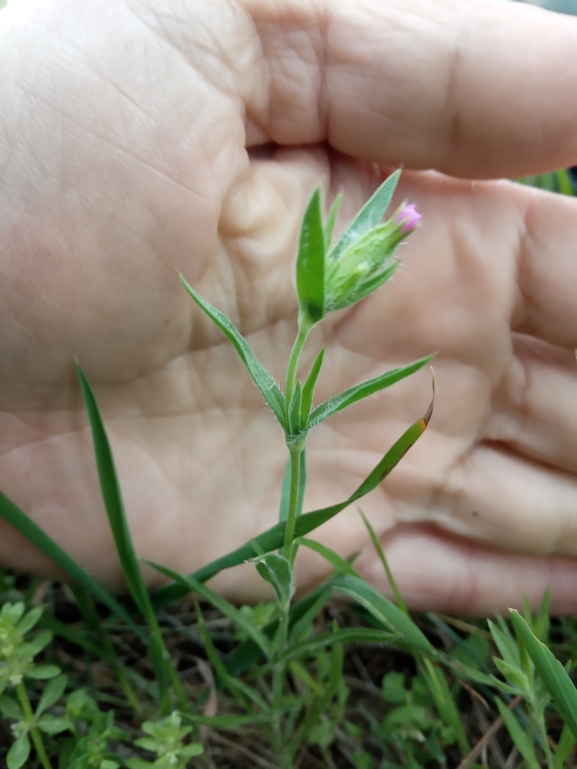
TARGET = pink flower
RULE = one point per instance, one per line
(408, 218)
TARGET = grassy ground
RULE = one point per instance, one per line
(383, 713)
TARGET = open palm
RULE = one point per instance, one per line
(140, 139)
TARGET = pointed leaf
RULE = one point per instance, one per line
(369, 216)
(330, 225)
(260, 376)
(522, 741)
(551, 672)
(381, 553)
(339, 563)
(294, 410)
(358, 392)
(310, 268)
(309, 386)
(112, 498)
(356, 635)
(273, 538)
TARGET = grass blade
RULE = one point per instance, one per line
(519, 737)
(339, 563)
(112, 497)
(260, 376)
(358, 392)
(383, 610)
(381, 553)
(344, 635)
(551, 672)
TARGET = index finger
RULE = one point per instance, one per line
(473, 89)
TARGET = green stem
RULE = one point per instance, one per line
(305, 328)
(36, 736)
(293, 501)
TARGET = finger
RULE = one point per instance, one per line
(436, 572)
(533, 408)
(472, 89)
(489, 495)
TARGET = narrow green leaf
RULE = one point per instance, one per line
(273, 538)
(301, 626)
(294, 410)
(383, 610)
(242, 691)
(193, 585)
(551, 671)
(319, 642)
(522, 741)
(19, 752)
(505, 644)
(358, 392)
(372, 284)
(381, 553)
(112, 498)
(158, 660)
(260, 376)
(564, 747)
(444, 701)
(369, 216)
(34, 534)
(330, 225)
(310, 267)
(51, 694)
(309, 387)
(322, 702)
(339, 563)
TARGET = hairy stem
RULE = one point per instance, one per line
(295, 456)
(291, 374)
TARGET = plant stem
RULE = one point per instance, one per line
(36, 736)
(305, 328)
(293, 501)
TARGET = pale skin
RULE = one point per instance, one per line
(139, 139)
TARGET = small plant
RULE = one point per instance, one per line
(17, 664)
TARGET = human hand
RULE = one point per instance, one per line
(138, 141)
